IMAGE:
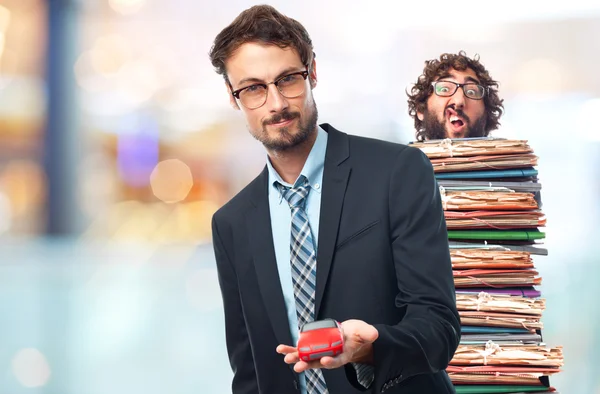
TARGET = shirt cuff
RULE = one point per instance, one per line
(365, 374)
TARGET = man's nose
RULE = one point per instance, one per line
(275, 100)
(458, 99)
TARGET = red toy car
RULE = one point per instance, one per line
(319, 339)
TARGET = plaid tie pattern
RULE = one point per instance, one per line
(304, 269)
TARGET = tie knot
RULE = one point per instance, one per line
(296, 196)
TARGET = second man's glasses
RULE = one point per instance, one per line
(448, 88)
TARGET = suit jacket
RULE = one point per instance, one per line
(383, 258)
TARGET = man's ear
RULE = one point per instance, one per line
(420, 116)
(232, 100)
(313, 74)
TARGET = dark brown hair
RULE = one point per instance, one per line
(420, 92)
(261, 24)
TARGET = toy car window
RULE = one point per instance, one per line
(319, 324)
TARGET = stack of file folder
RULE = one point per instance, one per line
(491, 199)
(490, 189)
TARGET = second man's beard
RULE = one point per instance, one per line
(436, 130)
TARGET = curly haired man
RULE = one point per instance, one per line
(455, 97)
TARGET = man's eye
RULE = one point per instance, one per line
(253, 88)
(288, 80)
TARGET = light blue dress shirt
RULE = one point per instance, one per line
(281, 222)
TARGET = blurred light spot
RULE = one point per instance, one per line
(126, 7)
(543, 76)
(5, 214)
(106, 104)
(188, 222)
(138, 225)
(171, 180)
(587, 120)
(9, 64)
(167, 64)
(85, 75)
(4, 18)
(138, 81)
(202, 289)
(99, 184)
(137, 150)
(24, 183)
(181, 99)
(200, 213)
(24, 98)
(109, 54)
(2, 42)
(173, 227)
(31, 368)
(189, 121)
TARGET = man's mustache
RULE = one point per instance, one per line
(281, 117)
(460, 113)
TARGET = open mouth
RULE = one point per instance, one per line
(455, 121)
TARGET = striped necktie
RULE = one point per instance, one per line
(303, 259)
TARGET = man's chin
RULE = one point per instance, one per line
(457, 134)
(282, 142)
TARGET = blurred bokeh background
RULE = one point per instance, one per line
(117, 144)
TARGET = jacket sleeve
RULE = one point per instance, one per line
(236, 335)
(425, 340)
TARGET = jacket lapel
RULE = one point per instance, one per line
(258, 222)
(335, 180)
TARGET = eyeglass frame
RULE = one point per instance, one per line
(462, 86)
(236, 93)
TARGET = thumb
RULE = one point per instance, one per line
(368, 333)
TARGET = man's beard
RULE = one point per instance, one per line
(286, 140)
(436, 130)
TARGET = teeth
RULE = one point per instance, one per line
(453, 118)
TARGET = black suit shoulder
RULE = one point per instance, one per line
(360, 144)
(375, 151)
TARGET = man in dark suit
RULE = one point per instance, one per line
(335, 226)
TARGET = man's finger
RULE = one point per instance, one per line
(301, 366)
(284, 349)
(325, 362)
(368, 334)
(291, 358)
(330, 362)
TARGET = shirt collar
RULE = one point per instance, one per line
(313, 167)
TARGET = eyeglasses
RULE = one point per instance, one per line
(255, 96)
(448, 88)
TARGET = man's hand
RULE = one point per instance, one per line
(358, 348)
